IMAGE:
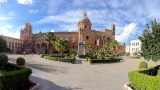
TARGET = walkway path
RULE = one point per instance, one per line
(54, 75)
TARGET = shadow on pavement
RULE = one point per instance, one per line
(78, 61)
(48, 85)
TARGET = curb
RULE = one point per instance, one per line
(35, 87)
(127, 87)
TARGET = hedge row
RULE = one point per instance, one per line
(65, 59)
(136, 57)
(145, 79)
(42, 55)
(83, 56)
(14, 77)
(106, 60)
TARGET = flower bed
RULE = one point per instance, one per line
(106, 60)
(65, 59)
(145, 79)
(14, 77)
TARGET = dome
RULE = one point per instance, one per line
(84, 18)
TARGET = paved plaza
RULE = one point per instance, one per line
(54, 75)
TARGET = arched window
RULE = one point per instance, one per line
(73, 46)
(87, 37)
(85, 26)
(108, 39)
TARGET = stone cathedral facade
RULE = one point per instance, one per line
(36, 43)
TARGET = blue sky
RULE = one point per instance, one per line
(130, 16)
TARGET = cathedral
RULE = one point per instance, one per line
(35, 42)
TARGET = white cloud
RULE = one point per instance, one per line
(5, 32)
(25, 2)
(53, 5)
(70, 30)
(128, 32)
(3, 0)
(33, 11)
(9, 26)
(5, 18)
(11, 13)
(52, 30)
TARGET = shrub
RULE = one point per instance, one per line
(20, 61)
(3, 60)
(83, 56)
(66, 59)
(135, 53)
(14, 79)
(3, 44)
(42, 55)
(143, 64)
(136, 57)
(146, 79)
(106, 60)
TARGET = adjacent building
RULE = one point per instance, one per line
(135, 46)
(127, 49)
(16, 45)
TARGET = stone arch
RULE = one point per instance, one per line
(37, 48)
(108, 39)
(43, 48)
(28, 47)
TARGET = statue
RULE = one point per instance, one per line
(81, 46)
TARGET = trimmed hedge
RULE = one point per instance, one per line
(14, 77)
(83, 56)
(136, 57)
(65, 59)
(20, 61)
(145, 79)
(143, 64)
(42, 55)
(3, 60)
(106, 60)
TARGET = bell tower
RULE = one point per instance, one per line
(26, 32)
(113, 27)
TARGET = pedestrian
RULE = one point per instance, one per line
(24, 53)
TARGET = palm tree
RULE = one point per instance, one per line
(106, 46)
(61, 45)
(103, 36)
(49, 37)
(89, 49)
(114, 44)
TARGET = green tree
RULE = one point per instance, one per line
(150, 42)
(61, 45)
(49, 37)
(107, 46)
(114, 45)
(3, 44)
(89, 49)
(103, 36)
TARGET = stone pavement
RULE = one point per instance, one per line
(54, 75)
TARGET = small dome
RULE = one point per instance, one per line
(84, 18)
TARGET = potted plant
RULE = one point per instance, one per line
(21, 61)
(143, 65)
